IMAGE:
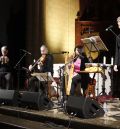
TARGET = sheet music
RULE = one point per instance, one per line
(94, 42)
(43, 76)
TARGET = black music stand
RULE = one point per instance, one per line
(44, 77)
(95, 44)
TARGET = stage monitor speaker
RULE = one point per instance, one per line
(35, 100)
(8, 97)
(83, 107)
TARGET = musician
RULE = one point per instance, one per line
(42, 65)
(5, 69)
(79, 65)
(117, 53)
(116, 80)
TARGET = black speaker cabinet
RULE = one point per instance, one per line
(35, 100)
(83, 107)
(9, 97)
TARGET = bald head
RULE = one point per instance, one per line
(118, 22)
(43, 50)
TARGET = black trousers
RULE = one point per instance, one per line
(6, 80)
(83, 79)
(75, 80)
(116, 83)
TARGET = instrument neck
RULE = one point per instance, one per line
(40, 61)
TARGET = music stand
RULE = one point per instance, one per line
(44, 77)
(95, 44)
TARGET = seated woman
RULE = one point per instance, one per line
(79, 65)
(5, 69)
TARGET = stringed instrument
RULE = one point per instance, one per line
(70, 79)
(39, 62)
(4, 59)
(70, 71)
(90, 91)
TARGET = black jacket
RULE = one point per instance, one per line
(47, 65)
(117, 52)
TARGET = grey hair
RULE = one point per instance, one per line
(44, 47)
(4, 48)
(118, 19)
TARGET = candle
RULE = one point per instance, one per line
(112, 59)
(104, 60)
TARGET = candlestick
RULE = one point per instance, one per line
(112, 60)
(104, 60)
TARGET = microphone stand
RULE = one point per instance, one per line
(20, 60)
(114, 33)
(17, 66)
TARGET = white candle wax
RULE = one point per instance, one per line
(104, 60)
(112, 60)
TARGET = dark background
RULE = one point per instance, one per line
(12, 31)
(102, 11)
(13, 21)
(12, 25)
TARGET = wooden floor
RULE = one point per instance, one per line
(56, 118)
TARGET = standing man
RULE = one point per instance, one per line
(117, 53)
(116, 79)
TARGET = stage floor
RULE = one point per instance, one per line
(56, 118)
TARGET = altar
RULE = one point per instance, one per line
(103, 79)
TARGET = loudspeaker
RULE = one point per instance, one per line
(35, 100)
(83, 107)
(9, 97)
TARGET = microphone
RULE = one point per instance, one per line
(109, 27)
(26, 51)
(64, 52)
